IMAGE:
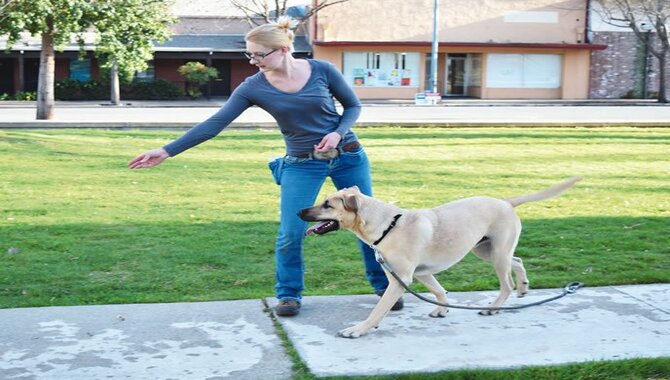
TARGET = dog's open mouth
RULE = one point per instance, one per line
(323, 227)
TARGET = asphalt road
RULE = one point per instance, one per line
(448, 114)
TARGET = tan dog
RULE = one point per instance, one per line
(425, 242)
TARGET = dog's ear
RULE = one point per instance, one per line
(350, 202)
(355, 189)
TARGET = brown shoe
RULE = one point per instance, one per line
(287, 308)
(398, 305)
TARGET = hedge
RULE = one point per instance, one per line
(95, 90)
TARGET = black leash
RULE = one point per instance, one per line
(570, 288)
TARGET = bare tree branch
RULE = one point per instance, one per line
(319, 6)
(257, 12)
(635, 15)
(251, 13)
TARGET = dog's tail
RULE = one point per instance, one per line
(544, 194)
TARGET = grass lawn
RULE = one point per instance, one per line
(202, 225)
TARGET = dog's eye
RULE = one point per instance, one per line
(326, 205)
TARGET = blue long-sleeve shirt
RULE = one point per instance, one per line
(304, 117)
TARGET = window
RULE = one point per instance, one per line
(147, 75)
(80, 69)
(524, 71)
(474, 69)
(381, 69)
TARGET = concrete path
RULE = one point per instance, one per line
(608, 323)
(207, 340)
(451, 114)
(237, 340)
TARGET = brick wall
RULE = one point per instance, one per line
(619, 71)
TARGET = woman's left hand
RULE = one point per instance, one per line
(328, 142)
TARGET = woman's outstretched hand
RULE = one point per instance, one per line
(149, 159)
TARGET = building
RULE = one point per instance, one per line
(208, 31)
(494, 49)
(626, 69)
(211, 32)
(488, 49)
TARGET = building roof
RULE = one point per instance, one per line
(28, 42)
(219, 8)
(177, 43)
(218, 43)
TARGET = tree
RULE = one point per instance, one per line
(127, 30)
(259, 12)
(643, 16)
(56, 21)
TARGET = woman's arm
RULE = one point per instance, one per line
(204, 131)
(211, 127)
(346, 96)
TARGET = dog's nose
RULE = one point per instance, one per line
(303, 214)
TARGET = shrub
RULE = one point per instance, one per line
(67, 89)
(95, 90)
(25, 95)
(156, 90)
(196, 74)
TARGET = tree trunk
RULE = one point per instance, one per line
(45, 82)
(662, 98)
(114, 86)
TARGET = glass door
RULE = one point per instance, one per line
(455, 75)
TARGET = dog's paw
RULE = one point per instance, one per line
(488, 312)
(439, 312)
(353, 332)
(522, 289)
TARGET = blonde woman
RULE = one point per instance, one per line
(298, 93)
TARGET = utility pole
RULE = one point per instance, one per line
(433, 57)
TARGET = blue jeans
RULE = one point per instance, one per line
(301, 180)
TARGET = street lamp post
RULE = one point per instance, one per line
(433, 57)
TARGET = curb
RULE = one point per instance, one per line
(366, 124)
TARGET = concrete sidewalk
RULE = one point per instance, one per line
(237, 340)
(464, 113)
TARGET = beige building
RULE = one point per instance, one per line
(489, 49)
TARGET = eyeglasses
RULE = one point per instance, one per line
(258, 57)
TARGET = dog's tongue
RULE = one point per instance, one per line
(315, 227)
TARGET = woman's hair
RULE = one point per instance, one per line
(274, 35)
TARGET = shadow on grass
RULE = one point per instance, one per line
(154, 262)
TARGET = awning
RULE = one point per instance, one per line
(483, 45)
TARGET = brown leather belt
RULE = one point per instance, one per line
(345, 148)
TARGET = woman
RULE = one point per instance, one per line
(298, 93)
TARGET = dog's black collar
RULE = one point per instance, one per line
(395, 219)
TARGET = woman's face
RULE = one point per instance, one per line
(263, 57)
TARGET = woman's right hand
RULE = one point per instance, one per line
(149, 159)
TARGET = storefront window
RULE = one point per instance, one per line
(381, 69)
(523, 71)
(474, 68)
(80, 69)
